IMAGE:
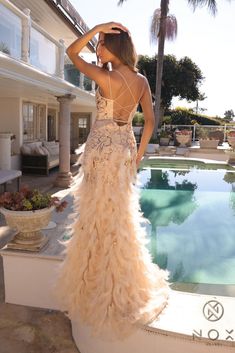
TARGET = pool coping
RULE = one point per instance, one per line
(184, 300)
(153, 156)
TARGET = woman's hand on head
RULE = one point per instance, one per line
(109, 27)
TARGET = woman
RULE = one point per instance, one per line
(108, 279)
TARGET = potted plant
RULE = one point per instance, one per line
(4, 48)
(164, 138)
(231, 138)
(29, 211)
(183, 137)
(138, 119)
(207, 139)
(208, 143)
(216, 135)
(231, 152)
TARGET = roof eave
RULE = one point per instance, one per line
(72, 20)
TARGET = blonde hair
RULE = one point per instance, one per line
(122, 47)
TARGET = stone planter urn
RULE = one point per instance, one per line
(184, 138)
(231, 141)
(28, 224)
(231, 152)
(164, 141)
(231, 156)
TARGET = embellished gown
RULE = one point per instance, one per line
(108, 280)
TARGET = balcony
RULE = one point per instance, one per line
(24, 40)
(77, 78)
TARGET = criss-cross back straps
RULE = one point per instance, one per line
(128, 86)
(110, 88)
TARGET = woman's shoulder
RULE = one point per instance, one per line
(142, 77)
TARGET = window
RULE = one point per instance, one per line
(51, 124)
(83, 128)
(80, 127)
(34, 122)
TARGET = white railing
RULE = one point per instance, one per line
(25, 40)
(197, 129)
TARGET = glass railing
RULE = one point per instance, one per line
(71, 74)
(43, 52)
(10, 32)
(24, 39)
(219, 132)
(74, 76)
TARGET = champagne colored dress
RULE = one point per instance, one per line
(108, 279)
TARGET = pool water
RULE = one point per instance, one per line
(192, 223)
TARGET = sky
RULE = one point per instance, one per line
(206, 39)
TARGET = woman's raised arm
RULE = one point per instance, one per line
(94, 72)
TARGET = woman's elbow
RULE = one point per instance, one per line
(151, 124)
(68, 51)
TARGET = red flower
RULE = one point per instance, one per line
(184, 132)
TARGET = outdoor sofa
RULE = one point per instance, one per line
(39, 157)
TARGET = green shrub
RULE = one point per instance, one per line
(184, 116)
(138, 119)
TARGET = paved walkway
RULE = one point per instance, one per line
(32, 330)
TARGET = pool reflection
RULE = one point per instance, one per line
(192, 216)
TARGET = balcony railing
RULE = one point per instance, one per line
(77, 78)
(25, 40)
(10, 31)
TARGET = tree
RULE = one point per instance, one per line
(160, 22)
(163, 26)
(181, 78)
(211, 4)
(229, 115)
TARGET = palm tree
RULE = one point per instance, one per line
(162, 26)
(211, 4)
(165, 26)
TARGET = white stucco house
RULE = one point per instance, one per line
(43, 97)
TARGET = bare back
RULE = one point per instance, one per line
(125, 91)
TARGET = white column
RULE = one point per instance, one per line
(64, 177)
(26, 27)
(5, 150)
(81, 83)
(93, 82)
(61, 59)
(93, 86)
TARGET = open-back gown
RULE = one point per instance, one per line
(108, 279)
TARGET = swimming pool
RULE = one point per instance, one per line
(191, 209)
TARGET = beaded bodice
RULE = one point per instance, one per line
(104, 106)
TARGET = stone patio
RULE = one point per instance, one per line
(26, 329)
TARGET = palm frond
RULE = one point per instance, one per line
(171, 27)
(211, 4)
(155, 25)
